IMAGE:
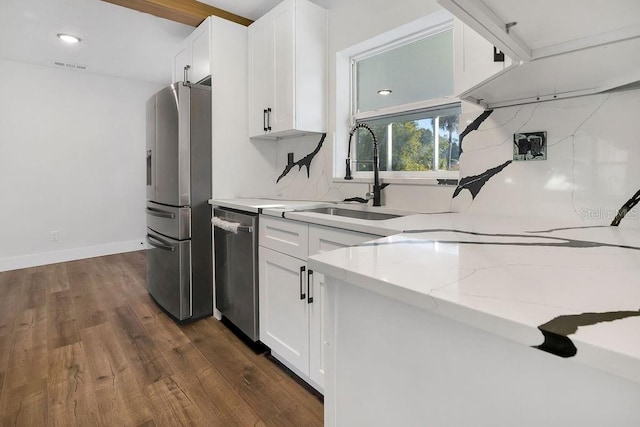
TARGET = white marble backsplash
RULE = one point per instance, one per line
(589, 172)
(588, 175)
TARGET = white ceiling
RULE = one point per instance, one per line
(252, 9)
(116, 41)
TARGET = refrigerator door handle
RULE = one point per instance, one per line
(160, 213)
(159, 243)
(149, 154)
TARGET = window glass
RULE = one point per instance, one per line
(413, 141)
(415, 71)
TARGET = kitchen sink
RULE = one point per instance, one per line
(352, 213)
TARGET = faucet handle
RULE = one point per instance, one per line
(369, 194)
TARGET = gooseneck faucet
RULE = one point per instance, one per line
(376, 173)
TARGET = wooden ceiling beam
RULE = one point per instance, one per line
(188, 12)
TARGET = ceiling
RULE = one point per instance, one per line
(116, 41)
(252, 9)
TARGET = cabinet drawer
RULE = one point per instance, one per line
(286, 236)
(324, 239)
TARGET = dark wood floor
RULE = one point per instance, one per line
(82, 343)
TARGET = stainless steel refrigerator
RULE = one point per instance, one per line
(179, 263)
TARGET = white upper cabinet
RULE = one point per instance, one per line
(473, 58)
(192, 62)
(287, 71)
(559, 49)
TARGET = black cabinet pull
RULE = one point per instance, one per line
(264, 119)
(309, 286)
(302, 270)
(269, 119)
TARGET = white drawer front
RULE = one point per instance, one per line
(324, 239)
(286, 236)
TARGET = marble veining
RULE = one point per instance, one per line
(474, 125)
(475, 183)
(556, 331)
(305, 161)
(558, 242)
(442, 181)
(626, 208)
(551, 230)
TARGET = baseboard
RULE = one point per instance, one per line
(33, 260)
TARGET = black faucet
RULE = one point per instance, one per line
(376, 172)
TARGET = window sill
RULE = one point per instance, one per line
(442, 181)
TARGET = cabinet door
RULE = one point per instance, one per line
(284, 313)
(317, 334)
(180, 61)
(473, 58)
(200, 42)
(324, 239)
(260, 74)
(284, 77)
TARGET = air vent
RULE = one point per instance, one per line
(69, 65)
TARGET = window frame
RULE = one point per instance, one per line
(346, 116)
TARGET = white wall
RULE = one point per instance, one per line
(72, 148)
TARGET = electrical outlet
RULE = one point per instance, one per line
(530, 146)
(54, 236)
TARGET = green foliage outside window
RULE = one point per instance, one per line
(413, 145)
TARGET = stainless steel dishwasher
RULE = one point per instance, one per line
(236, 268)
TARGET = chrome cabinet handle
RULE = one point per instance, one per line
(160, 213)
(159, 243)
(309, 286)
(302, 270)
(186, 73)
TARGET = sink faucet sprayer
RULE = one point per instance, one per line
(376, 178)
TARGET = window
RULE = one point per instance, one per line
(412, 142)
(401, 85)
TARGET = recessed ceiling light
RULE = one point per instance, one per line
(68, 38)
(384, 92)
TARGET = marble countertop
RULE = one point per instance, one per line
(295, 210)
(573, 292)
(256, 205)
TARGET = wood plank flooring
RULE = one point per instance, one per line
(82, 343)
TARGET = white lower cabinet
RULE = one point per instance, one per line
(292, 296)
(284, 312)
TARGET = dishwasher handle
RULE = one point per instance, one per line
(233, 227)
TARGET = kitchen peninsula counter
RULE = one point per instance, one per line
(495, 311)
